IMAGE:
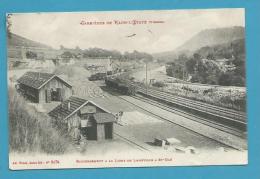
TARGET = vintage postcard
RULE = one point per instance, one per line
(127, 88)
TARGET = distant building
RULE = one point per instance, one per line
(223, 61)
(44, 87)
(100, 65)
(77, 114)
(226, 64)
(66, 61)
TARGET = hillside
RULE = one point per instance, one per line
(222, 64)
(208, 37)
(16, 40)
(212, 37)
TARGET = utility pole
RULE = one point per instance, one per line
(172, 72)
(146, 77)
(183, 73)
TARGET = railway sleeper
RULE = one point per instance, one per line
(210, 116)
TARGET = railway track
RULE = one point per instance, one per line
(226, 111)
(225, 119)
(140, 146)
(227, 135)
(211, 123)
(195, 105)
(224, 116)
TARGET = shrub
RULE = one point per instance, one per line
(31, 55)
(32, 131)
(158, 84)
(225, 79)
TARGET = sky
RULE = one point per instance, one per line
(71, 29)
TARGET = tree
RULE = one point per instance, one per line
(210, 56)
(182, 58)
(225, 79)
(31, 55)
(190, 66)
(67, 54)
(197, 56)
(9, 24)
(62, 47)
(77, 48)
(238, 81)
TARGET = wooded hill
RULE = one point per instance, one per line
(17, 40)
(208, 37)
(203, 66)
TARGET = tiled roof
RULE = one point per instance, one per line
(104, 117)
(62, 111)
(36, 79)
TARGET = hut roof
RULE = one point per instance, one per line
(63, 112)
(37, 79)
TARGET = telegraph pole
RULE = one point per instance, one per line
(146, 77)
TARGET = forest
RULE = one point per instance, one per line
(203, 66)
(103, 53)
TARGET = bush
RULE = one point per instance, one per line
(225, 79)
(238, 81)
(31, 55)
(158, 84)
(31, 131)
(16, 64)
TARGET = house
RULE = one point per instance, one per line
(223, 61)
(43, 87)
(77, 114)
(101, 65)
(227, 64)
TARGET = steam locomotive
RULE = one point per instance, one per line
(122, 86)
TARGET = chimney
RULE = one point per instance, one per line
(68, 105)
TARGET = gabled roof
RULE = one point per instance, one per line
(76, 104)
(62, 110)
(37, 79)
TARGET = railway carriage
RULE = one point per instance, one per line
(121, 86)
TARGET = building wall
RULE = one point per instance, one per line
(89, 128)
(30, 93)
(54, 84)
(74, 121)
(104, 64)
(100, 131)
(94, 132)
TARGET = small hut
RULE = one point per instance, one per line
(44, 87)
(93, 121)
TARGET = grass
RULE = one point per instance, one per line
(220, 96)
(230, 98)
(31, 131)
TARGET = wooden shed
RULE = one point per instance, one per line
(94, 122)
(44, 87)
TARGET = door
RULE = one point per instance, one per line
(59, 97)
(109, 130)
(61, 94)
(48, 95)
(92, 131)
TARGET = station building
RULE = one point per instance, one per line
(43, 87)
(77, 114)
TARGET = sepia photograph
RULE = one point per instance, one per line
(140, 88)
